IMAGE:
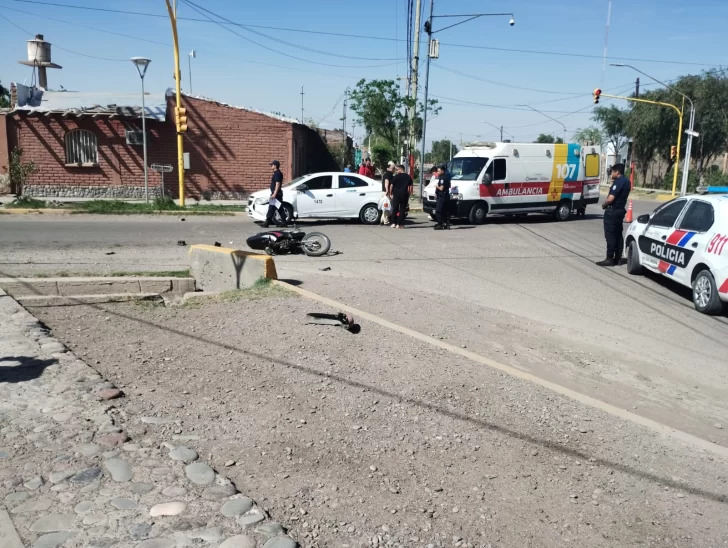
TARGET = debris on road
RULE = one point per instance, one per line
(341, 319)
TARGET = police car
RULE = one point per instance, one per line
(685, 240)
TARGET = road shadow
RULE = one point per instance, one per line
(425, 405)
(25, 368)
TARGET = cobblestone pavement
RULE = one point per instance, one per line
(71, 476)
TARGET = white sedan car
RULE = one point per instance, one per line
(330, 195)
(685, 240)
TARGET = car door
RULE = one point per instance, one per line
(694, 233)
(315, 197)
(353, 193)
(658, 243)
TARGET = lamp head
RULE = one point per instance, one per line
(512, 21)
(141, 63)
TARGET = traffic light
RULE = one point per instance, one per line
(597, 94)
(673, 152)
(181, 119)
(428, 27)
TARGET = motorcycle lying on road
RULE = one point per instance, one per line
(277, 242)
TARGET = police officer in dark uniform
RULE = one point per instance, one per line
(442, 197)
(615, 208)
(276, 193)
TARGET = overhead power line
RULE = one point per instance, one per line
(65, 49)
(220, 19)
(369, 37)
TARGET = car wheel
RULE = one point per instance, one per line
(287, 210)
(705, 294)
(433, 217)
(369, 214)
(633, 259)
(563, 211)
(478, 213)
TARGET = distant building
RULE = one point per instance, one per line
(90, 145)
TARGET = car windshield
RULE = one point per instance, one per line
(295, 181)
(466, 169)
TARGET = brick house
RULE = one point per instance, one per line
(89, 145)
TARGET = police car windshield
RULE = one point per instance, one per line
(466, 169)
(296, 180)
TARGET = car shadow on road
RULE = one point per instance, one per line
(25, 368)
(574, 453)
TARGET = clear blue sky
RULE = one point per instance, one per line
(231, 69)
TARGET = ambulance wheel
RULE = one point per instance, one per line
(705, 294)
(563, 211)
(633, 259)
(478, 213)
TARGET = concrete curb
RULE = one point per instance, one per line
(623, 414)
(61, 300)
(20, 288)
(223, 268)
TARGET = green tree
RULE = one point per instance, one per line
(441, 152)
(614, 124)
(591, 135)
(548, 138)
(4, 96)
(382, 110)
(382, 154)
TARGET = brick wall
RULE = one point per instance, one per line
(230, 152)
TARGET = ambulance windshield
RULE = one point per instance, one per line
(466, 169)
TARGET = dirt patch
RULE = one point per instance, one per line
(378, 440)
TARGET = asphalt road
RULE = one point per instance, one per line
(524, 292)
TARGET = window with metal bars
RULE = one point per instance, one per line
(81, 148)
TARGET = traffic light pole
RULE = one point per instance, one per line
(679, 131)
(180, 143)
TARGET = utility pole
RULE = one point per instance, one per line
(302, 104)
(346, 138)
(427, 86)
(413, 89)
(501, 134)
(631, 165)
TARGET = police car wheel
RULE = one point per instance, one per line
(705, 294)
(433, 217)
(478, 213)
(633, 259)
(563, 211)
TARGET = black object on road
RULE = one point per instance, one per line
(181, 242)
(341, 319)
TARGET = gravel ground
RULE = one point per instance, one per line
(378, 440)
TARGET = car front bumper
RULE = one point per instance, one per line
(257, 211)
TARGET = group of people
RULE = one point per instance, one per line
(397, 186)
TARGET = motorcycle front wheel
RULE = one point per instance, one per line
(316, 244)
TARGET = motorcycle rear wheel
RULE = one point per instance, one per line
(316, 244)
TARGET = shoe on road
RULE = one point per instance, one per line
(606, 262)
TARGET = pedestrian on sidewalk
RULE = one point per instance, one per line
(387, 189)
(402, 188)
(442, 197)
(615, 208)
(276, 197)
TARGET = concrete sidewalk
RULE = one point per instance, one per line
(72, 477)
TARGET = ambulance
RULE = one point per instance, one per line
(520, 178)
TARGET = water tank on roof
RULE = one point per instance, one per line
(39, 51)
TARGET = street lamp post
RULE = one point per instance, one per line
(192, 55)
(547, 116)
(690, 131)
(430, 32)
(141, 64)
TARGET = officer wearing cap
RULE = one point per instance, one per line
(276, 193)
(615, 208)
(442, 197)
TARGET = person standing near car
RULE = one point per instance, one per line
(276, 193)
(401, 190)
(387, 189)
(366, 169)
(442, 197)
(615, 208)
